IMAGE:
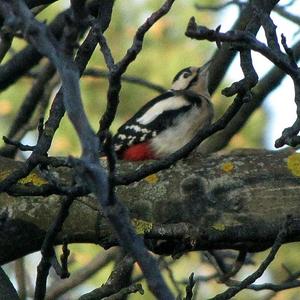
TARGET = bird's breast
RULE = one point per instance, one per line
(184, 129)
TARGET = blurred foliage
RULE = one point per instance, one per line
(166, 50)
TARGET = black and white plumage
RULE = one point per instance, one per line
(169, 121)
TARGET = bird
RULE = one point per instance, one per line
(169, 121)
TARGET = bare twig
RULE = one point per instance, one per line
(239, 262)
(47, 249)
(189, 288)
(5, 44)
(64, 260)
(166, 265)
(275, 287)
(97, 263)
(241, 39)
(31, 100)
(117, 69)
(231, 292)
(239, 3)
(132, 289)
(286, 14)
(6, 34)
(260, 92)
(18, 145)
(126, 78)
(116, 281)
(273, 53)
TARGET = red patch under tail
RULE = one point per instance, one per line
(138, 152)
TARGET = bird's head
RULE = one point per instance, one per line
(194, 79)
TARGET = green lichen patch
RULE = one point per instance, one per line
(293, 164)
(141, 226)
(32, 178)
(227, 167)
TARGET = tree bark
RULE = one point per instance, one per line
(237, 200)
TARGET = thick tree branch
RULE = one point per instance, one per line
(220, 201)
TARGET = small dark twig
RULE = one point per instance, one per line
(166, 265)
(217, 8)
(240, 260)
(132, 289)
(288, 50)
(40, 127)
(101, 260)
(109, 60)
(115, 281)
(241, 39)
(189, 288)
(267, 286)
(19, 145)
(219, 44)
(269, 28)
(126, 78)
(5, 43)
(47, 248)
(232, 291)
(56, 265)
(7, 33)
(217, 260)
(287, 15)
(64, 260)
(32, 99)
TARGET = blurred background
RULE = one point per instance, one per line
(166, 50)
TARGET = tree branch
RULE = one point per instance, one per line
(216, 202)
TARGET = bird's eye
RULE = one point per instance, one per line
(186, 74)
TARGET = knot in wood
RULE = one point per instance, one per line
(191, 185)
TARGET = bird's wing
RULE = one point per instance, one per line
(154, 117)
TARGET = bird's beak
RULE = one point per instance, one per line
(205, 68)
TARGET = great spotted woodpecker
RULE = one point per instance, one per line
(169, 121)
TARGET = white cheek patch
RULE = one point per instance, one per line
(180, 84)
(156, 110)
